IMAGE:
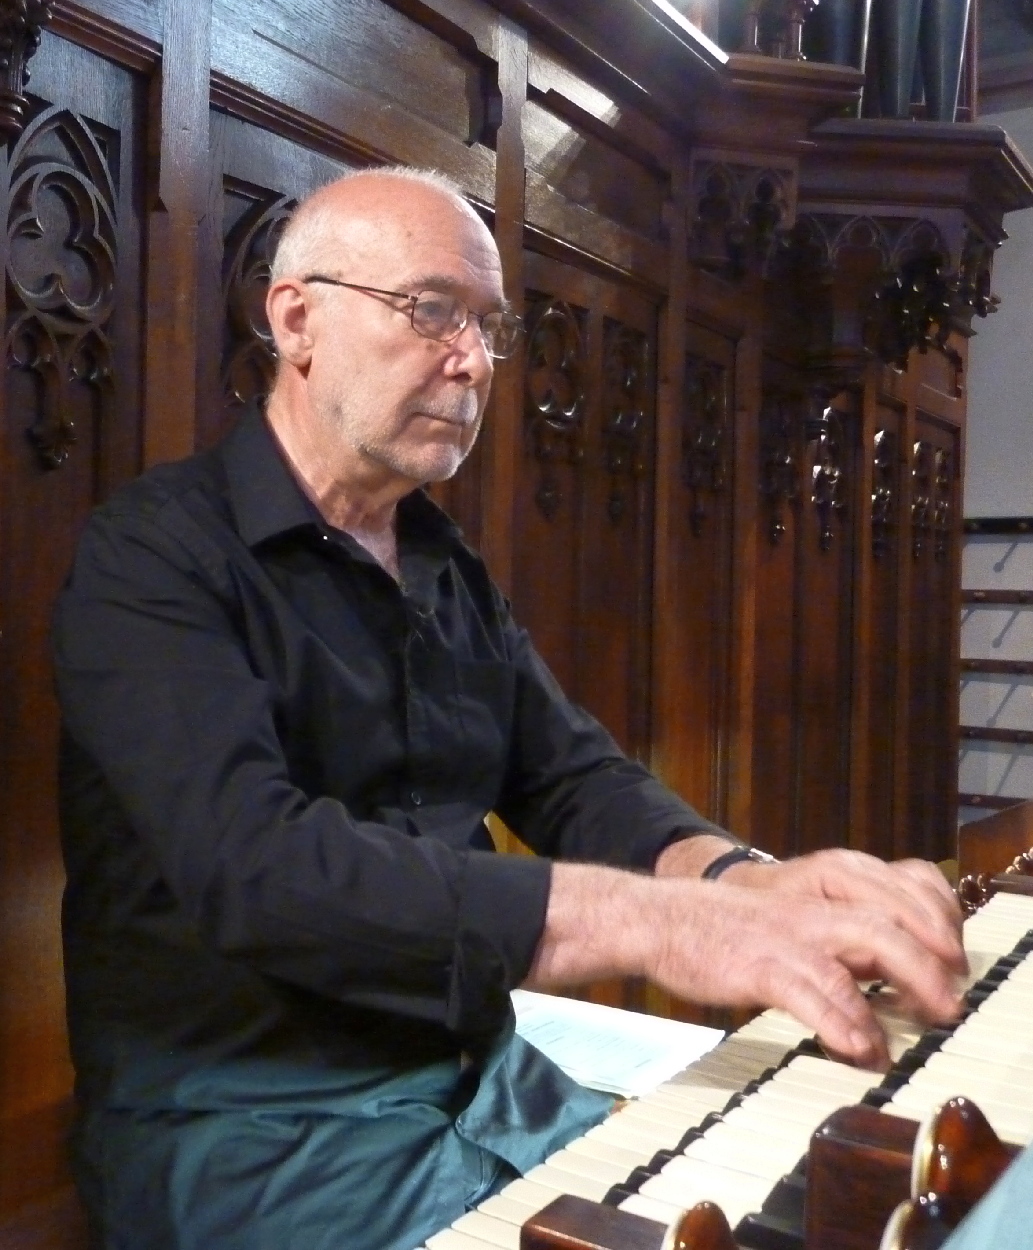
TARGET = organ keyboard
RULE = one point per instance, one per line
(732, 1128)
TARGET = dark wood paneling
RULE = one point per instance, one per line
(350, 72)
(71, 431)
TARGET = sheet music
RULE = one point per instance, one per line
(607, 1048)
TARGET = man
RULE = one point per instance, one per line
(291, 694)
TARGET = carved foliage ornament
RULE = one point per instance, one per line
(779, 462)
(249, 359)
(932, 478)
(705, 436)
(554, 389)
(61, 266)
(828, 474)
(884, 491)
(21, 24)
(626, 404)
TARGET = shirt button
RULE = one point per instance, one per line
(325, 537)
(417, 798)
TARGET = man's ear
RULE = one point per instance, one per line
(289, 311)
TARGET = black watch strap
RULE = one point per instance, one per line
(738, 855)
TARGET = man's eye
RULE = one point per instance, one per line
(439, 308)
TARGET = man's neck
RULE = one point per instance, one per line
(355, 502)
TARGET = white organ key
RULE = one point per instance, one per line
(585, 1165)
(453, 1239)
(508, 1209)
(736, 1192)
(740, 1150)
(597, 1149)
(488, 1229)
(562, 1182)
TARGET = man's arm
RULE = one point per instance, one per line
(777, 944)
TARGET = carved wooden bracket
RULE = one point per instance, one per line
(879, 286)
(21, 25)
(742, 207)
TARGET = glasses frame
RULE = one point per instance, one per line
(412, 301)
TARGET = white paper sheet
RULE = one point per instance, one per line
(621, 1052)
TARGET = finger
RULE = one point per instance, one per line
(824, 997)
(934, 886)
(868, 944)
(909, 895)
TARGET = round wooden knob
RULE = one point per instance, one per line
(704, 1227)
(957, 1157)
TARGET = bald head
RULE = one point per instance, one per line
(364, 209)
(381, 403)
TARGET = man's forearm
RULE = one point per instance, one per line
(593, 927)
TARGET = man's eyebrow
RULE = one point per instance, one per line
(447, 286)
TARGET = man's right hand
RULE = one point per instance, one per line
(735, 946)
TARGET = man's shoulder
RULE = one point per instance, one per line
(194, 483)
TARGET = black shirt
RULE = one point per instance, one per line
(277, 762)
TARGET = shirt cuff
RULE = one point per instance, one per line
(500, 922)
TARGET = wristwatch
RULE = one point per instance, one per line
(739, 855)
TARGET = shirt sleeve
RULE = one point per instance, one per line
(571, 793)
(157, 690)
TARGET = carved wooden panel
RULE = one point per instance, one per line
(803, 662)
(878, 620)
(932, 712)
(705, 437)
(70, 432)
(691, 713)
(584, 491)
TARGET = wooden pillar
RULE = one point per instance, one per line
(178, 147)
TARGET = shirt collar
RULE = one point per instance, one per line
(267, 500)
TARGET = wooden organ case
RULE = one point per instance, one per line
(721, 483)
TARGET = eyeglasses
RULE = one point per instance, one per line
(435, 315)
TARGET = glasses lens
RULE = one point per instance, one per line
(438, 316)
(501, 333)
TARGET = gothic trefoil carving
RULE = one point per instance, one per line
(555, 394)
(779, 462)
(705, 436)
(741, 213)
(884, 491)
(61, 266)
(625, 407)
(21, 25)
(249, 359)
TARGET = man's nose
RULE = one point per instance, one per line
(470, 353)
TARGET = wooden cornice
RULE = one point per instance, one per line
(965, 165)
